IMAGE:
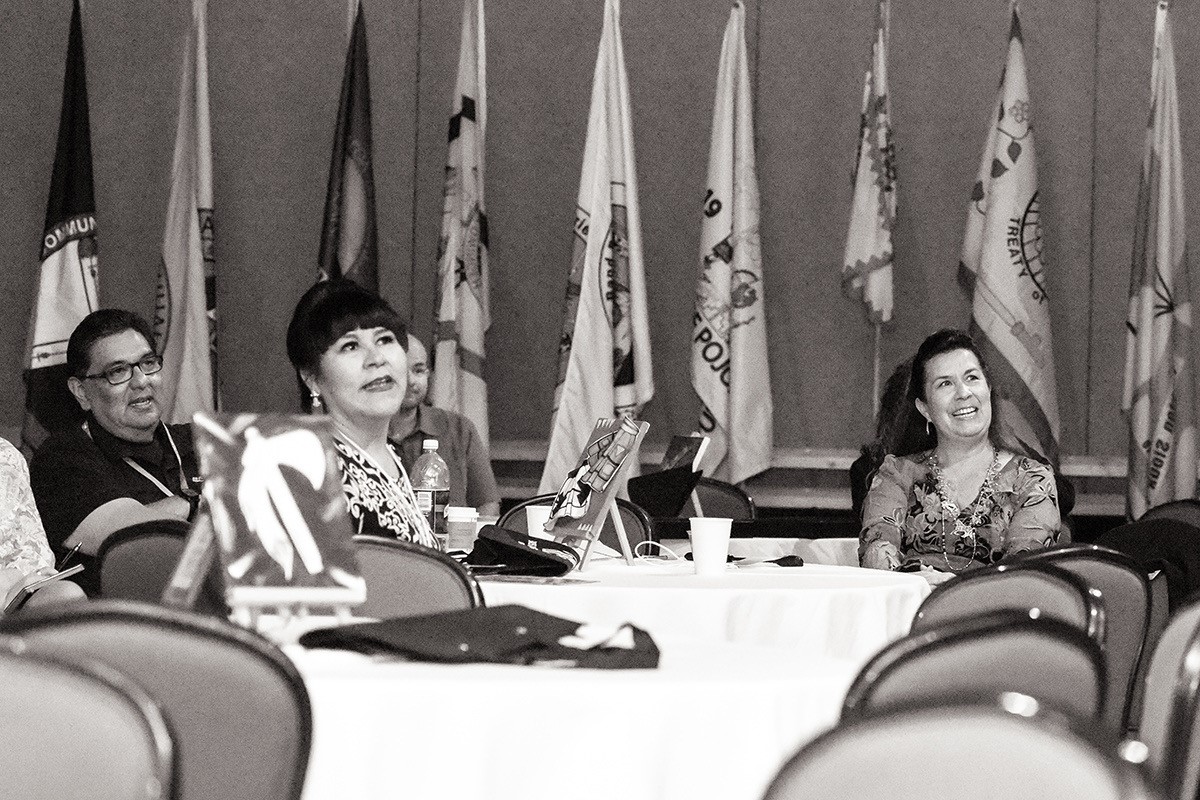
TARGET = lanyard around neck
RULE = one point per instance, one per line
(184, 489)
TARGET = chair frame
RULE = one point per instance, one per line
(33, 621)
(899, 653)
(157, 728)
(1126, 775)
(728, 488)
(460, 572)
(211, 592)
(1115, 558)
(1094, 605)
(1185, 706)
(631, 508)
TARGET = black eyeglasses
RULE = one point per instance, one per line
(121, 373)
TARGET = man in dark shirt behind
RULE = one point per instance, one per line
(472, 482)
(123, 465)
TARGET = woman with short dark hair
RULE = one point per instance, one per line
(969, 500)
(348, 347)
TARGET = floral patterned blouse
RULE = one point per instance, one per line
(904, 527)
(380, 506)
(23, 542)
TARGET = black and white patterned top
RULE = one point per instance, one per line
(378, 505)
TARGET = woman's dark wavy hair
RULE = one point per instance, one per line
(948, 340)
(326, 313)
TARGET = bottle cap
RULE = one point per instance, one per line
(429, 444)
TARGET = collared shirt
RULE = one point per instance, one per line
(75, 472)
(472, 482)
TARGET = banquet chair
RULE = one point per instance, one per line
(990, 653)
(720, 499)
(407, 580)
(1184, 510)
(1169, 725)
(1053, 592)
(1006, 746)
(638, 526)
(1126, 594)
(79, 730)
(137, 562)
(239, 712)
(1160, 612)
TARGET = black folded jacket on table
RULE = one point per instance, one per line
(508, 634)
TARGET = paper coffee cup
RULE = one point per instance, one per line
(536, 518)
(710, 544)
(460, 527)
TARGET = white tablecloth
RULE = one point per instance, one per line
(714, 721)
(826, 611)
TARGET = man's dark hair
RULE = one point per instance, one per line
(100, 325)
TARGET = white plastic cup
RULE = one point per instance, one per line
(710, 544)
(460, 527)
(536, 518)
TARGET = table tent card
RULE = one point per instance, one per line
(685, 451)
(274, 495)
(588, 496)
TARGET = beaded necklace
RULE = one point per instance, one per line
(964, 530)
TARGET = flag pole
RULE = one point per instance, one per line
(875, 371)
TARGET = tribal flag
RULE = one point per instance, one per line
(729, 343)
(604, 352)
(1160, 350)
(867, 264)
(349, 243)
(1002, 268)
(462, 305)
(185, 316)
(67, 284)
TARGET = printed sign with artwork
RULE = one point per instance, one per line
(587, 495)
(274, 493)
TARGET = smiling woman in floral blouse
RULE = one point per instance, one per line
(968, 501)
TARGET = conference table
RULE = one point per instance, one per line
(753, 664)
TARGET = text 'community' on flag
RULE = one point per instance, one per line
(729, 342)
(604, 352)
(67, 282)
(867, 263)
(462, 313)
(185, 316)
(1160, 367)
(349, 239)
(1002, 269)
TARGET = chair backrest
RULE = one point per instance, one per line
(1185, 510)
(1160, 612)
(721, 499)
(1054, 593)
(1126, 593)
(239, 712)
(969, 750)
(78, 730)
(407, 580)
(136, 563)
(638, 525)
(1170, 721)
(1000, 651)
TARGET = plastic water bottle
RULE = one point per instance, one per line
(431, 483)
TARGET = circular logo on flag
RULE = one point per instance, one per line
(1031, 249)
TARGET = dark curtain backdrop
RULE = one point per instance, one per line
(275, 68)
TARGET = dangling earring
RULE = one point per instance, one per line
(316, 399)
(928, 426)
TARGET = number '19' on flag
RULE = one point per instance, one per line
(730, 371)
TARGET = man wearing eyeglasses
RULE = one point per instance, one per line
(123, 465)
